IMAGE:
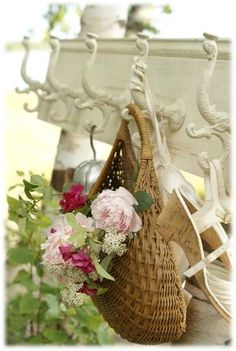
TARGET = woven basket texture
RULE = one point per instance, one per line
(145, 304)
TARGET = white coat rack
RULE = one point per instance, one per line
(92, 74)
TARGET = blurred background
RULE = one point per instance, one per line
(26, 150)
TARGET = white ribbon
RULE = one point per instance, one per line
(207, 260)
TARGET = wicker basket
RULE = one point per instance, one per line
(145, 303)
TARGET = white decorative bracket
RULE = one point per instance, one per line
(61, 92)
(218, 122)
(218, 126)
(100, 99)
(174, 114)
(40, 89)
(170, 177)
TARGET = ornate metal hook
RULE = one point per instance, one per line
(61, 92)
(100, 99)
(218, 122)
(174, 113)
(33, 85)
(170, 177)
(142, 96)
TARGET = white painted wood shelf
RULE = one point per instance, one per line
(174, 70)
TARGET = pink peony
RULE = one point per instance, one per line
(73, 199)
(85, 222)
(57, 236)
(115, 209)
(83, 261)
(86, 290)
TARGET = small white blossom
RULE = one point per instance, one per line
(74, 275)
(58, 269)
(70, 295)
(113, 242)
(93, 275)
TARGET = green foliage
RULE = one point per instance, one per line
(35, 314)
(137, 23)
(56, 16)
(144, 201)
(166, 9)
(100, 269)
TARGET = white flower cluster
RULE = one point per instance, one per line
(70, 296)
(113, 242)
(74, 275)
(93, 275)
(57, 269)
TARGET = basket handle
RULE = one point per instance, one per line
(146, 149)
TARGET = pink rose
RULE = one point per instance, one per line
(115, 209)
(73, 199)
(86, 223)
(83, 261)
(57, 236)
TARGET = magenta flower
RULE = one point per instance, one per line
(73, 199)
(83, 261)
(66, 251)
(86, 290)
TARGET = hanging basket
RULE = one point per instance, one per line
(145, 304)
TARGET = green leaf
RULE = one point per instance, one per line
(53, 304)
(13, 203)
(105, 334)
(53, 203)
(56, 336)
(46, 191)
(94, 244)
(144, 200)
(71, 220)
(48, 194)
(38, 180)
(93, 285)
(40, 269)
(166, 9)
(77, 239)
(99, 269)
(36, 340)
(21, 275)
(44, 221)
(20, 255)
(20, 173)
(63, 307)
(21, 224)
(28, 194)
(24, 278)
(88, 317)
(48, 289)
(101, 291)
(28, 185)
(28, 304)
(106, 261)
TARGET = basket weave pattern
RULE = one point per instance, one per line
(145, 303)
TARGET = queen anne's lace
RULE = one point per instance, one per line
(113, 242)
(69, 295)
(74, 275)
